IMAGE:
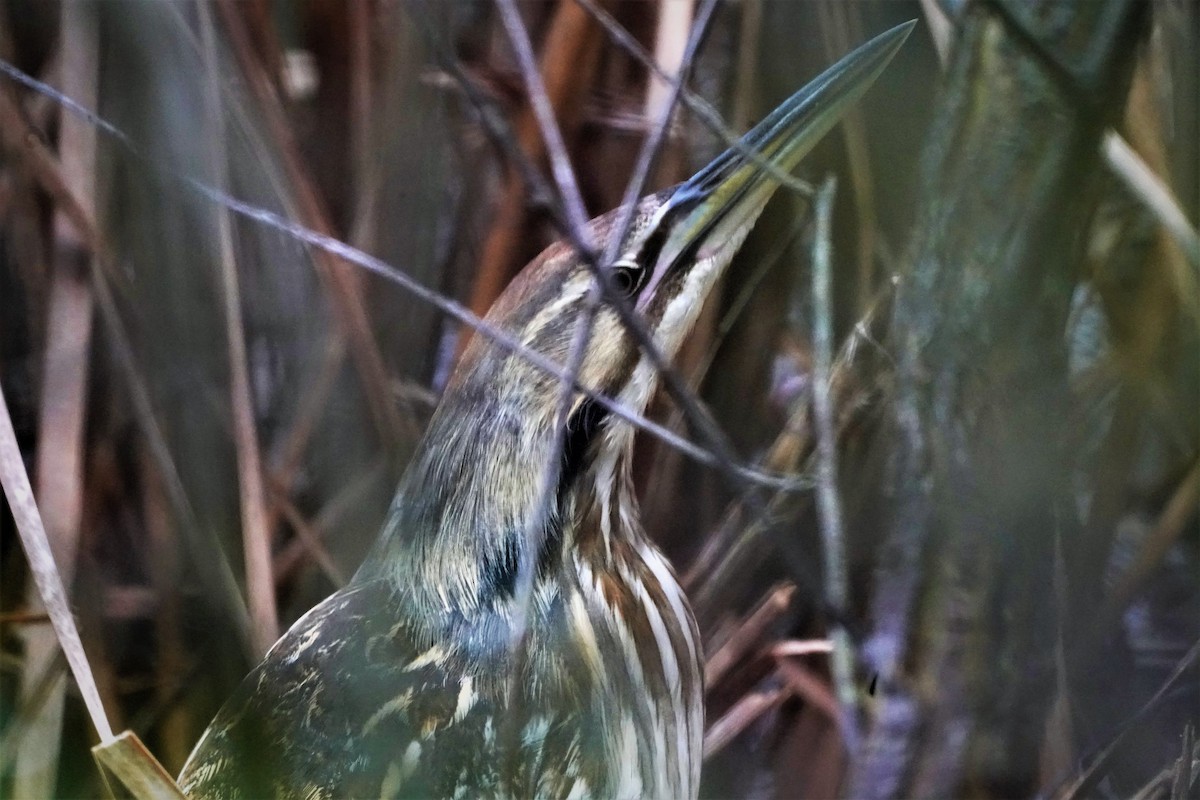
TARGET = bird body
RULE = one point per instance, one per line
(510, 636)
(375, 714)
(407, 683)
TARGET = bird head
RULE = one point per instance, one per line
(679, 243)
(474, 483)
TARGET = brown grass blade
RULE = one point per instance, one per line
(139, 774)
(59, 472)
(568, 63)
(748, 635)
(343, 282)
(743, 714)
(256, 533)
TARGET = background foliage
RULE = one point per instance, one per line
(215, 413)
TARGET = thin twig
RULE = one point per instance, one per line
(646, 157)
(736, 541)
(310, 537)
(670, 43)
(658, 135)
(59, 470)
(1181, 784)
(1170, 526)
(570, 54)
(716, 441)
(543, 110)
(829, 507)
(256, 535)
(743, 714)
(45, 572)
(288, 457)
(941, 29)
(361, 121)
(1156, 196)
(170, 663)
(748, 634)
(291, 556)
(735, 309)
(24, 143)
(551, 470)
(675, 385)
(448, 306)
(811, 687)
(704, 110)
(17, 723)
(840, 26)
(801, 647)
(580, 237)
(1083, 785)
(297, 437)
(343, 284)
(583, 329)
(633, 191)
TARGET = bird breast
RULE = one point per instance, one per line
(650, 672)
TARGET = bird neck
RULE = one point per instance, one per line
(467, 514)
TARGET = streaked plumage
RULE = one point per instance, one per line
(414, 680)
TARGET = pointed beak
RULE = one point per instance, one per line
(723, 199)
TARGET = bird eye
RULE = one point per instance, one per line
(626, 277)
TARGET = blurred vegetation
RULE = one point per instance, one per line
(214, 413)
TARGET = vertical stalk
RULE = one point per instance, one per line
(829, 507)
(256, 535)
(59, 470)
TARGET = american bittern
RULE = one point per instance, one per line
(414, 680)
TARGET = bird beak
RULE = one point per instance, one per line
(721, 201)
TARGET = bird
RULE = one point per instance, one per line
(436, 672)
